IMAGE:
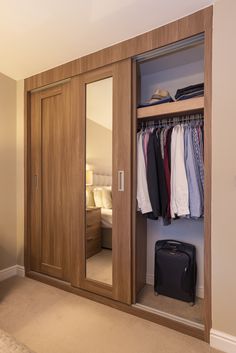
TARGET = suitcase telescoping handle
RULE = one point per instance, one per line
(173, 242)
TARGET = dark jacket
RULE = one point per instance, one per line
(156, 178)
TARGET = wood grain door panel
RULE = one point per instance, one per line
(122, 162)
(51, 189)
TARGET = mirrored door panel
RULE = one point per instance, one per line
(98, 181)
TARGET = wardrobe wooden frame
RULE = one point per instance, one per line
(199, 22)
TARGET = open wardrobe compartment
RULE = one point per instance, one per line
(118, 176)
(169, 210)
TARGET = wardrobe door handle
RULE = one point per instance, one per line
(121, 180)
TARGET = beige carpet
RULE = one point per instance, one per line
(99, 267)
(171, 306)
(8, 344)
(49, 320)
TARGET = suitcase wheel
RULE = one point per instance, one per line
(156, 294)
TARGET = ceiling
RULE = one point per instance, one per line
(38, 35)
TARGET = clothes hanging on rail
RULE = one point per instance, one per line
(170, 157)
(156, 177)
(179, 185)
(167, 164)
(145, 144)
(194, 182)
(142, 189)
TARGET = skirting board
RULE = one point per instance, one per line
(199, 290)
(15, 270)
(222, 341)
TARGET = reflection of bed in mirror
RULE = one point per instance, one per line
(100, 195)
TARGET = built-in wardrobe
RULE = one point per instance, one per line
(84, 231)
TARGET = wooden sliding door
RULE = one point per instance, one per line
(80, 134)
(102, 253)
(51, 182)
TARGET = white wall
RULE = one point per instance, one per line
(12, 172)
(224, 169)
(7, 172)
(99, 148)
(99, 102)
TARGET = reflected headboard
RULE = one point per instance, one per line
(102, 180)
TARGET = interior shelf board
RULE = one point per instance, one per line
(188, 105)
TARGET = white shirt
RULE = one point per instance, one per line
(143, 199)
(179, 204)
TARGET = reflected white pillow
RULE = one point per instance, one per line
(97, 193)
(89, 198)
(106, 198)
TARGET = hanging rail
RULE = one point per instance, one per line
(175, 120)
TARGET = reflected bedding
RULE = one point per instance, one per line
(106, 217)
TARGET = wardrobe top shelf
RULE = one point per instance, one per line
(184, 106)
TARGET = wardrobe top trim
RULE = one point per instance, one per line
(52, 85)
(175, 31)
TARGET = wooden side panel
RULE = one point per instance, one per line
(139, 223)
(78, 161)
(140, 254)
(122, 162)
(51, 188)
(208, 176)
(27, 180)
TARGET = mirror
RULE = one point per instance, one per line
(98, 188)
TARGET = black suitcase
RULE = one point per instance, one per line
(175, 270)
